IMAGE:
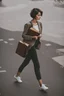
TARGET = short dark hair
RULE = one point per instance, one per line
(35, 11)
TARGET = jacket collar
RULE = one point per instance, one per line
(37, 23)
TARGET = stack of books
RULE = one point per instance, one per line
(33, 32)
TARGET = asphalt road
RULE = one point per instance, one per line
(51, 55)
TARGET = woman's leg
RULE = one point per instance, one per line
(36, 65)
(24, 64)
(37, 69)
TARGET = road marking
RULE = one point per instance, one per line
(1, 71)
(59, 59)
(48, 44)
(5, 42)
(11, 39)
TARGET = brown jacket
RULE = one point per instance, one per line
(27, 38)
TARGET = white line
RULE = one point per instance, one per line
(48, 44)
(1, 71)
(11, 39)
(5, 42)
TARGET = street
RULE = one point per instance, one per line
(13, 16)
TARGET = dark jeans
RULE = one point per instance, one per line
(32, 55)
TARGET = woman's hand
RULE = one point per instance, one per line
(40, 36)
(35, 37)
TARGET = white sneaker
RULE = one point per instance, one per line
(43, 87)
(18, 78)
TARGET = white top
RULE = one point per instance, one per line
(36, 27)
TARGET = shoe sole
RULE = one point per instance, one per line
(41, 89)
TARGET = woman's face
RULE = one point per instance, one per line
(38, 16)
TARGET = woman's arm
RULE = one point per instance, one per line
(24, 34)
(40, 31)
(41, 27)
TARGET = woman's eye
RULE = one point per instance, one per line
(39, 15)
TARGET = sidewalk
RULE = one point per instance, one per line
(9, 3)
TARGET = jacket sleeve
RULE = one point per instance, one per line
(41, 27)
(24, 34)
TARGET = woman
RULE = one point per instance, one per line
(32, 55)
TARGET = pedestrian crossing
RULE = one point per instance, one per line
(7, 42)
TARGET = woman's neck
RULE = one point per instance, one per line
(34, 20)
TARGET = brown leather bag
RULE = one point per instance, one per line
(22, 48)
